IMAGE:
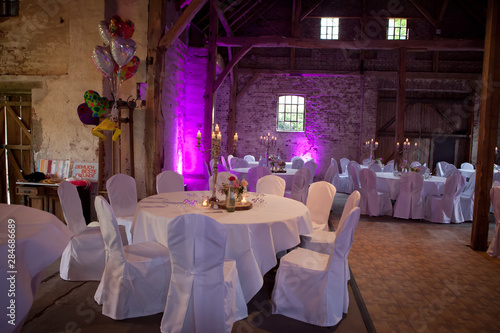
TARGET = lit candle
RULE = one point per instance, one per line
(216, 127)
(416, 145)
(244, 200)
(198, 135)
(376, 144)
(235, 137)
(213, 135)
(268, 134)
(398, 144)
(205, 203)
(219, 136)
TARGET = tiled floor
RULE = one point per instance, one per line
(423, 277)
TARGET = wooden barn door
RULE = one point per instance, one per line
(16, 155)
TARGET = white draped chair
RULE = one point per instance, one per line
(410, 203)
(254, 174)
(207, 174)
(229, 158)
(450, 170)
(237, 162)
(319, 201)
(169, 181)
(224, 162)
(366, 162)
(372, 202)
(467, 197)
(136, 277)
(441, 168)
(494, 248)
(312, 166)
(353, 172)
(375, 167)
(321, 240)
(341, 182)
(122, 194)
(83, 258)
(300, 186)
(262, 162)
(222, 177)
(343, 165)
(271, 184)
(249, 158)
(312, 286)
(389, 166)
(466, 166)
(205, 294)
(447, 208)
(297, 162)
(330, 174)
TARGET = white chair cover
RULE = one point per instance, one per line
(330, 174)
(466, 166)
(297, 162)
(238, 163)
(353, 172)
(410, 203)
(319, 201)
(122, 193)
(450, 170)
(84, 257)
(447, 208)
(494, 248)
(205, 293)
(389, 167)
(262, 162)
(441, 168)
(271, 184)
(221, 168)
(229, 158)
(136, 277)
(467, 198)
(373, 203)
(375, 167)
(169, 181)
(222, 177)
(224, 162)
(341, 182)
(254, 174)
(415, 164)
(312, 286)
(300, 187)
(366, 162)
(312, 166)
(249, 158)
(322, 241)
(343, 165)
(207, 174)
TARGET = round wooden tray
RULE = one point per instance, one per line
(239, 206)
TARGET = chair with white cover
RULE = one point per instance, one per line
(254, 174)
(375, 167)
(300, 187)
(312, 166)
(136, 277)
(312, 286)
(249, 158)
(271, 184)
(207, 174)
(447, 208)
(389, 166)
(262, 162)
(494, 248)
(321, 240)
(372, 202)
(450, 170)
(237, 162)
(467, 166)
(297, 162)
(224, 162)
(353, 172)
(366, 162)
(332, 175)
(229, 165)
(222, 177)
(343, 165)
(410, 203)
(319, 202)
(169, 181)
(441, 168)
(467, 197)
(84, 257)
(205, 294)
(122, 193)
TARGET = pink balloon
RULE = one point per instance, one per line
(123, 50)
(104, 32)
(103, 60)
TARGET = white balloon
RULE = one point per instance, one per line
(103, 60)
(123, 50)
(104, 32)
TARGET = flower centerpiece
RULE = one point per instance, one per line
(379, 161)
(237, 188)
(416, 168)
(276, 163)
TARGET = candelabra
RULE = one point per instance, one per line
(407, 148)
(215, 150)
(268, 142)
(371, 146)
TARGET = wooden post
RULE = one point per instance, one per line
(400, 104)
(231, 124)
(488, 123)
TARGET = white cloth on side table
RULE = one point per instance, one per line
(447, 208)
(271, 184)
(312, 286)
(494, 248)
(169, 181)
(136, 277)
(372, 202)
(122, 193)
(319, 202)
(83, 258)
(205, 293)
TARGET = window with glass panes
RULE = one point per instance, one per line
(397, 29)
(291, 113)
(329, 28)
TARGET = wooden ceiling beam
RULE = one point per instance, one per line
(181, 24)
(443, 10)
(229, 67)
(472, 13)
(382, 44)
(425, 12)
(311, 9)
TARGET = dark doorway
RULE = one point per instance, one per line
(444, 150)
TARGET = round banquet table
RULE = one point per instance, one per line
(40, 239)
(242, 173)
(387, 182)
(253, 236)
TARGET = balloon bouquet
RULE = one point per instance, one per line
(116, 60)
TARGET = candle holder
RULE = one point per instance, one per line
(215, 150)
(268, 142)
(371, 146)
(406, 149)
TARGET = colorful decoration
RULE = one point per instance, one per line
(96, 103)
(121, 28)
(106, 125)
(85, 115)
(129, 70)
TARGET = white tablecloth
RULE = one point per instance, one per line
(242, 173)
(256, 163)
(387, 182)
(254, 236)
(40, 239)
